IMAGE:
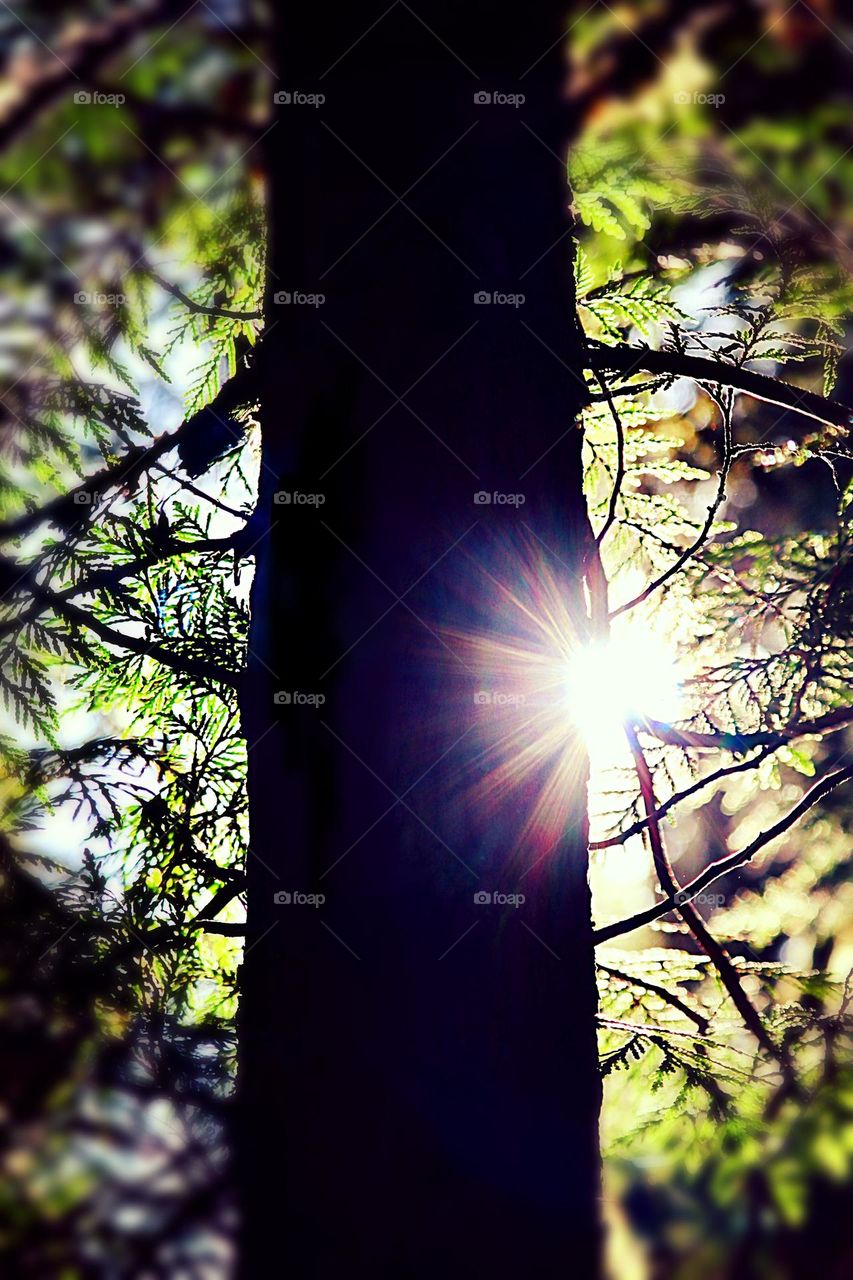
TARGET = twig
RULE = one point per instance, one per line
(722, 866)
(620, 441)
(628, 359)
(187, 666)
(217, 926)
(691, 916)
(191, 304)
(183, 483)
(104, 579)
(77, 56)
(739, 742)
(663, 809)
(661, 992)
(699, 541)
(129, 468)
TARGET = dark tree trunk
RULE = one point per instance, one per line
(419, 1087)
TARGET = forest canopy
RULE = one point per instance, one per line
(706, 273)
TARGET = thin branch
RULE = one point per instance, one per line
(217, 926)
(699, 541)
(629, 359)
(692, 917)
(620, 440)
(133, 464)
(740, 742)
(192, 305)
(186, 666)
(662, 810)
(632, 389)
(77, 56)
(650, 1030)
(661, 992)
(183, 483)
(722, 866)
(217, 901)
(105, 579)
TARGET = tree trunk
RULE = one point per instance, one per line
(419, 1086)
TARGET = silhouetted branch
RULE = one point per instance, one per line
(722, 866)
(196, 668)
(217, 926)
(629, 359)
(740, 742)
(699, 540)
(130, 468)
(661, 992)
(192, 305)
(106, 579)
(620, 441)
(205, 918)
(692, 917)
(663, 809)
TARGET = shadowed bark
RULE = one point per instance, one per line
(419, 1084)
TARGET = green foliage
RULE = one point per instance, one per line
(729, 540)
(724, 244)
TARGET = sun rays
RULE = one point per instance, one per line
(546, 694)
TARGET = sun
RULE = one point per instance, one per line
(632, 675)
(540, 695)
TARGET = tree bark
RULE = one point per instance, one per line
(419, 1089)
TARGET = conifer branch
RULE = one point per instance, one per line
(129, 469)
(628, 359)
(691, 916)
(722, 866)
(194, 668)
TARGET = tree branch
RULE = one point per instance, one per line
(661, 992)
(699, 540)
(629, 359)
(692, 917)
(722, 866)
(104, 579)
(197, 307)
(619, 477)
(129, 468)
(662, 810)
(741, 742)
(186, 666)
(206, 916)
(78, 56)
(217, 926)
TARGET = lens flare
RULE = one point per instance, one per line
(540, 694)
(633, 675)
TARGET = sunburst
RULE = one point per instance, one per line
(546, 693)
